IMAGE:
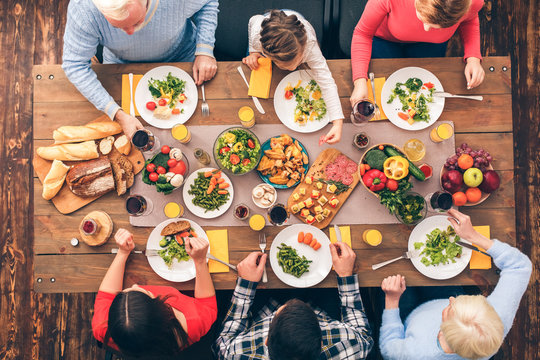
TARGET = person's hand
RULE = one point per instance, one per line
(129, 123)
(197, 249)
(343, 258)
(474, 72)
(252, 60)
(464, 228)
(124, 240)
(204, 68)
(360, 91)
(334, 135)
(249, 270)
(393, 287)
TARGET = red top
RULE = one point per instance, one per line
(396, 20)
(200, 313)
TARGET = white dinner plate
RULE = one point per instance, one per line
(285, 108)
(391, 110)
(142, 96)
(437, 272)
(179, 271)
(321, 259)
(199, 211)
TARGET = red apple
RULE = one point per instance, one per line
(452, 181)
(491, 182)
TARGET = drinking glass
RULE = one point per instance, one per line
(144, 140)
(414, 149)
(278, 214)
(363, 111)
(137, 205)
(439, 201)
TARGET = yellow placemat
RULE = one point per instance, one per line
(219, 247)
(125, 92)
(261, 78)
(379, 82)
(345, 234)
(481, 261)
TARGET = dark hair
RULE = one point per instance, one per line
(445, 13)
(282, 36)
(142, 326)
(295, 333)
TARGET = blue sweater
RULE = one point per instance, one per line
(417, 339)
(176, 30)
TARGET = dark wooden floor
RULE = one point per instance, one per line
(36, 326)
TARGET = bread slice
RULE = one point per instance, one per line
(176, 228)
(120, 178)
(123, 145)
(126, 165)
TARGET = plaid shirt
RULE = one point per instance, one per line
(243, 337)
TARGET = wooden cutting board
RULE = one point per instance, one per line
(67, 202)
(317, 171)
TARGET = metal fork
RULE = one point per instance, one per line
(204, 106)
(262, 245)
(406, 255)
(377, 111)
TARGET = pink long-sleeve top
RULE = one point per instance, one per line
(396, 20)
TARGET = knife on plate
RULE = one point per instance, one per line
(469, 246)
(338, 233)
(255, 100)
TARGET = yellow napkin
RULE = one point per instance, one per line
(219, 247)
(379, 82)
(125, 92)
(345, 234)
(481, 261)
(260, 80)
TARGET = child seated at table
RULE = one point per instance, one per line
(289, 40)
(156, 321)
(470, 327)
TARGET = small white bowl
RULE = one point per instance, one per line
(268, 188)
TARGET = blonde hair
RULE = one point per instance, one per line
(283, 36)
(445, 13)
(473, 330)
(115, 9)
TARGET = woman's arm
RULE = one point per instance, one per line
(114, 278)
(469, 31)
(197, 249)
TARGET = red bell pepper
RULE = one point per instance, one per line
(375, 180)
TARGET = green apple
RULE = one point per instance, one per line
(473, 177)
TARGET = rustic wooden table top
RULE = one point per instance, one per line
(60, 267)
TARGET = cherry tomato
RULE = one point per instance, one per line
(151, 105)
(429, 85)
(224, 150)
(246, 162)
(153, 176)
(180, 168)
(175, 111)
(251, 144)
(162, 102)
(151, 168)
(234, 159)
(171, 163)
(288, 94)
(165, 149)
(161, 170)
(392, 184)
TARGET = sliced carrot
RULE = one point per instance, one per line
(193, 233)
(210, 189)
(317, 246)
(207, 174)
(221, 181)
(179, 239)
(381, 147)
(223, 186)
(307, 238)
(403, 116)
(176, 111)
(217, 174)
(213, 181)
(222, 192)
(301, 237)
(313, 243)
(184, 234)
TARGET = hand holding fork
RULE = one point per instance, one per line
(262, 245)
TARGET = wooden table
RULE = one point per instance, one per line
(60, 267)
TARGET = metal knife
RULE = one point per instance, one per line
(255, 100)
(448, 95)
(338, 233)
(210, 256)
(149, 252)
(131, 105)
(469, 246)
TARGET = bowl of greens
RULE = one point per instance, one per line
(412, 208)
(237, 151)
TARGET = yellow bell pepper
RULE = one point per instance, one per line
(396, 167)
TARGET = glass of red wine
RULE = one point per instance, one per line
(278, 214)
(439, 201)
(144, 140)
(137, 205)
(362, 112)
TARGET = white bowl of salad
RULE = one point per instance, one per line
(237, 151)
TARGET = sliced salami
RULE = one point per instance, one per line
(351, 168)
(341, 160)
(347, 179)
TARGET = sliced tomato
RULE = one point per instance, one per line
(246, 162)
(429, 85)
(234, 159)
(175, 111)
(251, 144)
(288, 94)
(224, 150)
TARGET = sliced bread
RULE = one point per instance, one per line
(176, 228)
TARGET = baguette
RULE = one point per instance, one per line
(69, 152)
(54, 180)
(123, 145)
(106, 144)
(91, 178)
(92, 131)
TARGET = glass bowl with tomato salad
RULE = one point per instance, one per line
(237, 151)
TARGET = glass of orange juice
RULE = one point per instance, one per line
(181, 133)
(247, 116)
(257, 222)
(173, 210)
(414, 149)
(372, 237)
(441, 133)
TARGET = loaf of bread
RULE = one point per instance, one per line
(69, 152)
(123, 145)
(92, 131)
(54, 180)
(91, 178)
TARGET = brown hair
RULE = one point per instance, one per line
(445, 13)
(282, 36)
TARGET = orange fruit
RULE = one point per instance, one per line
(460, 198)
(465, 161)
(473, 194)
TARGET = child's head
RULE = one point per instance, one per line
(283, 38)
(441, 13)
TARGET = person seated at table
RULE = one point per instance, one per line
(289, 40)
(153, 320)
(295, 330)
(136, 31)
(470, 327)
(415, 28)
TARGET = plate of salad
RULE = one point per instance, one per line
(237, 151)
(299, 103)
(408, 101)
(166, 96)
(172, 262)
(437, 255)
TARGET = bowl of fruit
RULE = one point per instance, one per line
(166, 170)
(469, 176)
